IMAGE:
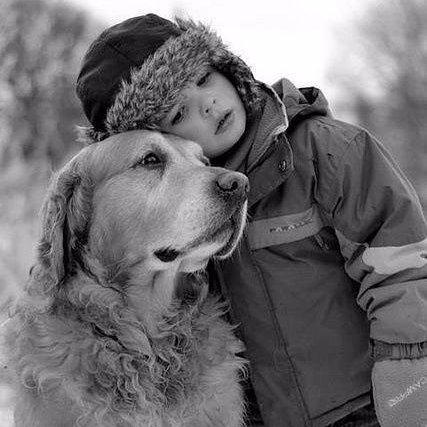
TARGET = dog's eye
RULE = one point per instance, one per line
(150, 159)
(166, 255)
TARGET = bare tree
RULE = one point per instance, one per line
(381, 74)
(41, 45)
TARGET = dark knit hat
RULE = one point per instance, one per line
(134, 72)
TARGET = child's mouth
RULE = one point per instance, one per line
(225, 122)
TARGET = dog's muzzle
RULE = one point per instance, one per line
(233, 185)
(233, 188)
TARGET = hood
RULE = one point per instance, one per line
(301, 103)
(283, 106)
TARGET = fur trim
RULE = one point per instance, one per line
(89, 135)
(155, 87)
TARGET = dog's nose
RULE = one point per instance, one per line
(233, 183)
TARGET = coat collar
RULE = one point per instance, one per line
(264, 153)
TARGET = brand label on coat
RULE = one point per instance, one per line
(284, 229)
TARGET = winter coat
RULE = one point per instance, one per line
(334, 255)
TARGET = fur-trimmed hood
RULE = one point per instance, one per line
(123, 89)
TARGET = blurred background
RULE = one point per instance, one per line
(369, 57)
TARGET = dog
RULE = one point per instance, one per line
(116, 326)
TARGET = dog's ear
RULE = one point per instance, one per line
(65, 216)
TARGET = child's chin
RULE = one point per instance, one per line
(226, 146)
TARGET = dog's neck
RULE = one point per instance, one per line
(151, 293)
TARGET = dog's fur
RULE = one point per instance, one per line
(116, 326)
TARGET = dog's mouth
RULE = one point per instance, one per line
(230, 231)
(227, 234)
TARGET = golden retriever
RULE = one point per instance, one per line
(116, 326)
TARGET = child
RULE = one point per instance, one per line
(330, 284)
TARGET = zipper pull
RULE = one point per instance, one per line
(321, 242)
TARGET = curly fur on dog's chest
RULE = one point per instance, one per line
(87, 354)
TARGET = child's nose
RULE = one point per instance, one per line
(207, 107)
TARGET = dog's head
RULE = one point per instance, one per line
(141, 198)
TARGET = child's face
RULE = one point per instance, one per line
(210, 113)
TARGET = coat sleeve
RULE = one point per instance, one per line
(383, 237)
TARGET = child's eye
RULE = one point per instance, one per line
(177, 118)
(204, 79)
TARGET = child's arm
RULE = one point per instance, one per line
(383, 238)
